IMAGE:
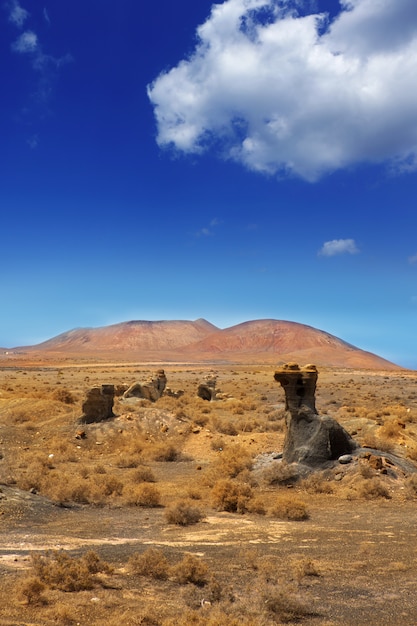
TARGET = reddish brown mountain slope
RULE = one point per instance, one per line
(258, 341)
(130, 337)
(277, 340)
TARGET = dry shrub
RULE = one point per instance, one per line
(127, 461)
(284, 605)
(63, 614)
(109, 485)
(370, 440)
(304, 567)
(233, 460)
(183, 513)
(194, 493)
(257, 505)
(224, 426)
(143, 474)
(164, 451)
(280, 473)
(390, 429)
(371, 489)
(317, 482)
(152, 563)
(289, 507)
(191, 569)
(218, 444)
(232, 496)
(58, 570)
(31, 589)
(64, 395)
(410, 485)
(212, 616)
(145, 495)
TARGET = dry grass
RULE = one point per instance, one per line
(195, 458)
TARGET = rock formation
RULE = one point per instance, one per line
(151, 390)
(310, 439)
(98, 404)
(207, 389)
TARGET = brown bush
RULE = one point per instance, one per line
(64, 395)
(279, 473)
(289, 507)
(31, 589)
(145, 495)
(373, 488)
(191, 569)
(143, 474)
(284, 605)
(317, 482)
(183, 513)
(152, 563)
(233, 460)
(232, 496)
(58, 570)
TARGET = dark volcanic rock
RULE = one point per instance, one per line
(310, 439)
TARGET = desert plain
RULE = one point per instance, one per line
(180, 512)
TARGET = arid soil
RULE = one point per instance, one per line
(338, 547)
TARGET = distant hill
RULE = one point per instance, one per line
(257, 341)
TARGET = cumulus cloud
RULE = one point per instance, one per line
(339, 246)
(27, 42)
(288, 93)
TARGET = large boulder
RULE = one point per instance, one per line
(207, 389)
(150, 390)
(98, 404)
(310, 439)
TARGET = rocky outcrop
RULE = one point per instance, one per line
(207, 389)
(151, 390)
(98, 404)
(310, 439)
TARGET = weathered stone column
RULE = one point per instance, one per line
(98, 404)
(310, 439)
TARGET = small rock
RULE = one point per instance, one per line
(345, 459)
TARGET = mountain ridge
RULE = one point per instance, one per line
(262, 341)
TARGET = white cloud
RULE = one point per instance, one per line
(339, 246)
(26, 43)
(292, 94)
(412, 259)
(17, 14)
(207, 231)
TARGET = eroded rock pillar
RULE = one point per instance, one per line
(310, 439)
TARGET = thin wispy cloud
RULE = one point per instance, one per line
(287, 93)
(28, 45)
(412, 259)
(208, 231)
(339, 246)
(17, 14)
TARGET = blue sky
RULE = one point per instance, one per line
(234, 161)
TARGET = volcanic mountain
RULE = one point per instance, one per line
(257, 341)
